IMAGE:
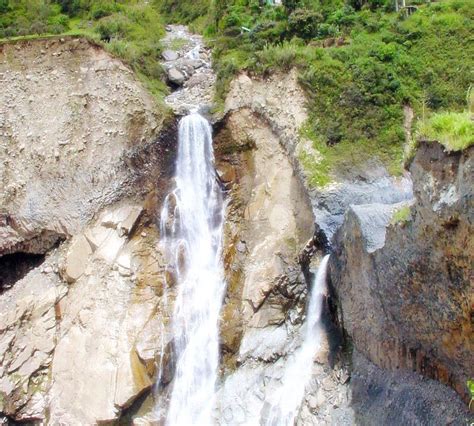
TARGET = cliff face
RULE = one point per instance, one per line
(405, 288)
(70, 118)
(81, 167)
(84, 324)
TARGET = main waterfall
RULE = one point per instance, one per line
(191, 235)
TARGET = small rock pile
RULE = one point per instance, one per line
(187, 63)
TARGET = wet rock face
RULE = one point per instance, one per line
(406, 302)
(268, 223)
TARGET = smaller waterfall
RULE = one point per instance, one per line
(286, 402)
(191, 234)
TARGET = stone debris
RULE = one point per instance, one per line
(170, 55)
(190, 69)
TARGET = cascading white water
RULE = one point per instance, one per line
(287, 400)
(191, 229)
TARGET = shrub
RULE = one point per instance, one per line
(304, 23)
(4, 6)
(102, 10)
(454, 130)
(401, 216)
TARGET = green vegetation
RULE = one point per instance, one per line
(129, 29)
(178, 43)
(184, 11)
(470, 386)
(454, 130)
(401, 216)
(359, 62)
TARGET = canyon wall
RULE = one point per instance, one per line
(86, 159)
(403, 275)
(84, 156)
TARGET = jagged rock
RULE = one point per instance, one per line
(170, 55)
(268, 99)
(269, 222)
(403, 287)
(76, 259)
(226, 172)
(122, 219)
(28, 318)
(176, 76)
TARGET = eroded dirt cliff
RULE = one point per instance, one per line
(84, 161)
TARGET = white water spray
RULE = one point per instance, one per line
(287, 400)
(191, 229)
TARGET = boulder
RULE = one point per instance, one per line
(170, 55)
(196, 80)
(176, 76)
(76, 259)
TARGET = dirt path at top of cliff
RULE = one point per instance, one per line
(187, 62)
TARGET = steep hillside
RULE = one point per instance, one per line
(403, 274)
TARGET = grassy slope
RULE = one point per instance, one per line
(356, 92)
(129, 29)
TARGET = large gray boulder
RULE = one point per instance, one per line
(176, 76)
(170, 55)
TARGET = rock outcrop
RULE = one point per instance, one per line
(269, 221)
(85, 298)
(83, 157)
(404, 285)
(280, 102)
(70, 115)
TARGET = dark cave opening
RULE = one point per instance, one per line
(15, 266)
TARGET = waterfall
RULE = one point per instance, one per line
(191, 234)
(287, 400)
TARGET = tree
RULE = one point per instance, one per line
(71, 7)
(4, 6)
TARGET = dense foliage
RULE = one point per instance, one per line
(130, 29)
(360, 64)
(360, 61)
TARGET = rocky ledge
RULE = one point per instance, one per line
(403, 280)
